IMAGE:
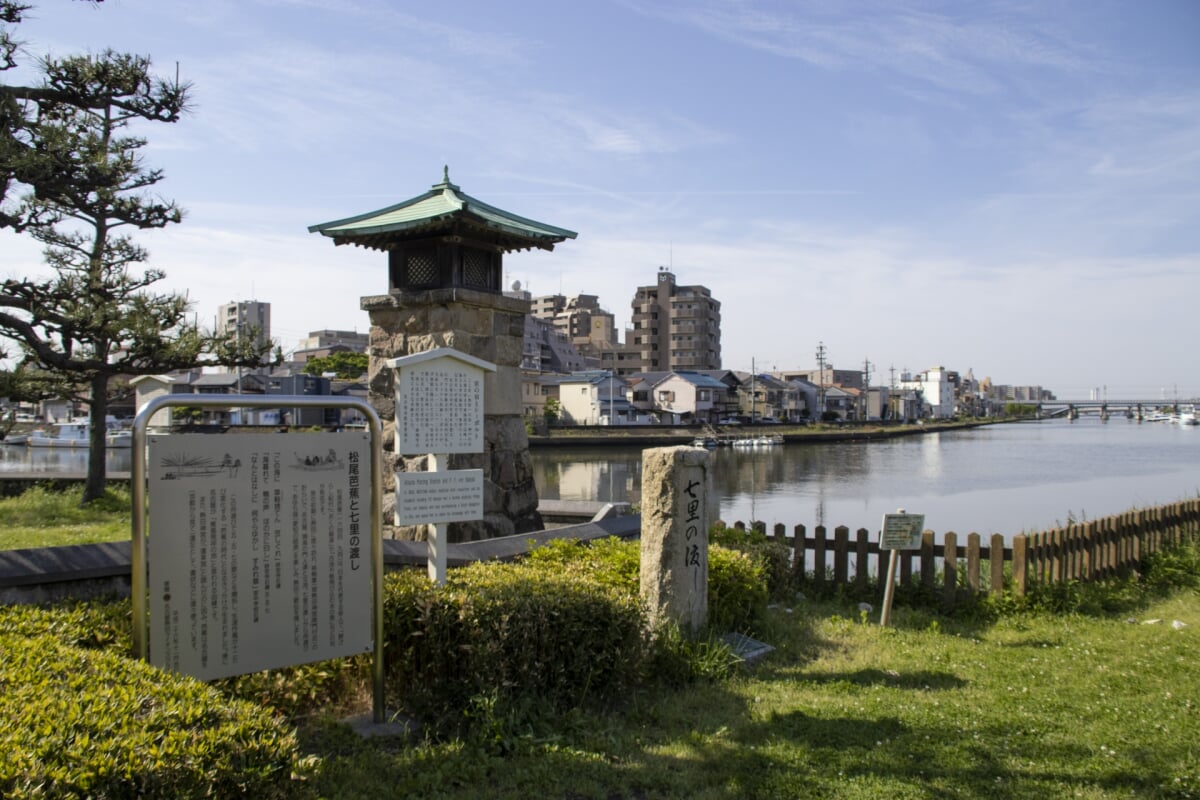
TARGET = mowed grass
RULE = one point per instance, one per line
(42, 518)
(1033, 706)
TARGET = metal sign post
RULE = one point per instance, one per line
(257, 541)
(900, 531)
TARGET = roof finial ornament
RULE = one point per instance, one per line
(445, 173)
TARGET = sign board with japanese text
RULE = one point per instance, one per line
(901, 531)
(439, 402)
(452, 496)
(260, 550)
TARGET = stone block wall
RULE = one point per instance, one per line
(483, 325)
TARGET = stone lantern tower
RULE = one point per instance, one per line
(445, 274)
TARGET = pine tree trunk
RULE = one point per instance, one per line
(94, 486)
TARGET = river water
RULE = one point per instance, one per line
(1006, 478)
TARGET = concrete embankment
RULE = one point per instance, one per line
(667, 436)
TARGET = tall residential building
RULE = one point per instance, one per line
(676, 327)
(580, 317)
(246, 318)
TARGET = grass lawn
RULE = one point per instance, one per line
(1034, 706)
(41, 518)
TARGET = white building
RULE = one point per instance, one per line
(935, 387)
(596, 398)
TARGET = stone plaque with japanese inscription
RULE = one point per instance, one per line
(676, 483)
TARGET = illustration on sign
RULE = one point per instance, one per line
(181, 466)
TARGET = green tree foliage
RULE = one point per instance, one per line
(345, 365)
(72, 178)
(552, 411)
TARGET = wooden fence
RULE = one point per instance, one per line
(1086, 551)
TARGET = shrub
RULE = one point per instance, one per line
(498, 636)
(92, 723)
(563, 628)
(773, 558)
(738, 580)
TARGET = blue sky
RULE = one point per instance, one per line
(1007, 187)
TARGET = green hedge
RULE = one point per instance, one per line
(79, 722)
(563, 628)
(499, 636)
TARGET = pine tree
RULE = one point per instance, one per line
(66, 146)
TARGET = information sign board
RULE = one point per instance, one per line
(901, 531)
(451, 496)
(260, 550)
(439, 406)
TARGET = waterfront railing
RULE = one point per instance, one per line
(961, 569)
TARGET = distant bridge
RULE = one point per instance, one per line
(1133, 409)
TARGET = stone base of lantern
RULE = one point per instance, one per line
(483, 325)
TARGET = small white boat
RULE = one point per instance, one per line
(1187, 418)
(75, 435)
(758, 441)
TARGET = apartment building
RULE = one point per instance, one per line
(245, 318)
(675, 327)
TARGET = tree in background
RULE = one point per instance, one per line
(66, 148)
(345, 365)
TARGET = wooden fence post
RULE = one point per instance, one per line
(780, 532)
(1090, 553)
(996, 562)
(973, 564)
(861, 566)
(841, 555)
(1020, 580)
(799, 549)
(928, 566)
(819, 556)
(949, 568)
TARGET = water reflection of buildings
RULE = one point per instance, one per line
(600, 481)
(18, 458)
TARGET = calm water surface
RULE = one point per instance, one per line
(15, 458)
(1000, 478)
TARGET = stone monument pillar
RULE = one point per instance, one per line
(445, 251)
(676, 485)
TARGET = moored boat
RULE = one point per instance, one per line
(75, 435)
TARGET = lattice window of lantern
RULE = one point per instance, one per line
(475, 268)
(421, 267)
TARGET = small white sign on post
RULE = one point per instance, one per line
(900, 531)
(452, 496)
(439, 411)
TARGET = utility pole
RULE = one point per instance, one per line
(866, 396)
(820, 381)
(753, 389)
